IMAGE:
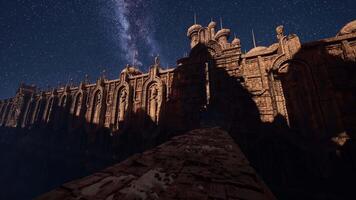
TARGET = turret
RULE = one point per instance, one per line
(211, 28)
(222, 37)
(192, 33)
(236, 42)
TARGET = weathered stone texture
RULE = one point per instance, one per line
(310, 85)
(201, 164)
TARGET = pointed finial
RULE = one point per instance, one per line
(103, 73)
(221, 24)
(195, 18)
(68, 80)
(253, 38)
(157, 62)
(86, 78)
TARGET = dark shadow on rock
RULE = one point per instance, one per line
(299, 160)
(48, 154)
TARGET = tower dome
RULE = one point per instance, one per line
(225, 32)
(192, 33)
(212, 24)
(222, 37)
(348, 28)
(193, 29)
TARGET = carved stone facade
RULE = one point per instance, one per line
(306, 84)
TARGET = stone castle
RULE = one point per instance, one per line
(310, 86)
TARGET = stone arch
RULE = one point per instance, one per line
(3, 108)
(29, 112)
(6, 113)
(214, 48)
(2, 105)
(62, 112)
(202, 35)
(77, 104)
(40, 107)
(63, 100)
(77, 110)
(121, 112)
(278, 63)
(50, 109)
(10, 119)
(158, 86)
(301, 95)
(97, 105)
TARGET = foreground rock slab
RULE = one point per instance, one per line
(201, 164)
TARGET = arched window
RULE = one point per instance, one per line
(49, 110)
(122, 102)
(78, 105)
(153, 102)
(96, 107)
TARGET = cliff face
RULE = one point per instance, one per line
(201, 164)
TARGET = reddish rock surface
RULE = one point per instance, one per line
(201, 164)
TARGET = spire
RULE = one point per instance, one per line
(86, 78)
(221, 24)
(134, 57)
(157, 61)
(195, 18)
(103, 73)
(253, 38)
(68, 80)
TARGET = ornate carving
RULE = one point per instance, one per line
(78, 104)
(280, 31)
(97, 107)
(153, 103)
(122, 105)
(152, 98)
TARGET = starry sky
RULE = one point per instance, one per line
(50, 42)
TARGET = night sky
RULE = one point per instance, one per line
(49, 42)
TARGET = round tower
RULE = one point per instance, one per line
(192, 33)
(222, 36)
(211, 28)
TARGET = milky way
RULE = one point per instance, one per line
(134, 29)
(50, 42)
